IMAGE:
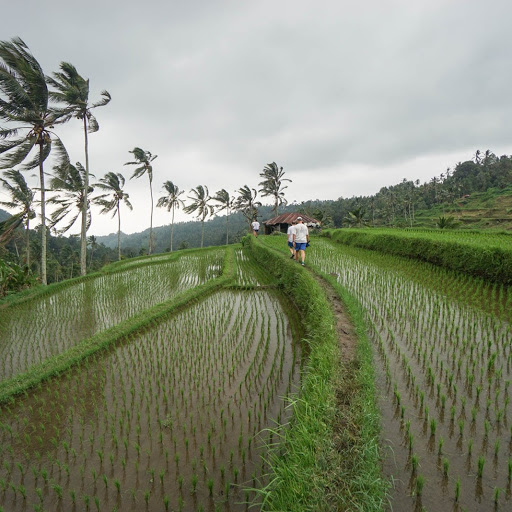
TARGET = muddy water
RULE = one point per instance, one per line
(159, 418)
(42, 328)
(443, 375)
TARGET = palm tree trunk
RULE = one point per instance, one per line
(150, 245)
(83, 231)
(43, 218)
(172, 225)
(118, 231)
(227, 227)
(27, 229)
(202, 232)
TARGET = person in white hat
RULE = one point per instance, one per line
(300, 239)
(289, 233)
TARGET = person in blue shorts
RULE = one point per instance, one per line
(300, 239)
(289, 233)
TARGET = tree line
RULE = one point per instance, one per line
(34, 105)
(396, 205)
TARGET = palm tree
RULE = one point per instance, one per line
(22, 196)
(113, 183)
(72, 90)
(93, 242)
(272, 185)
(24, 84)
(70, 181)
(143, 159)
(356, 216)
(246, 203)
(226, 203)
(200, 200)
(171, 201)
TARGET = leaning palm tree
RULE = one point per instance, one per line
(143, 159)
(171, 201)
(72, 91)
(70, 181)
(246, 203)
(113, 183)
(226, 202)
(93, 242)
(200, 200)
(272, 185)
(24, 86)
(22, 197)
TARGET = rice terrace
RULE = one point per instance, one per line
(207, 380)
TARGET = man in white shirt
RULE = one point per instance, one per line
(300, 239)
(255, 227)
(291, 230)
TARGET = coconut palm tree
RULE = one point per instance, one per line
(171, 201)
(246, 203)
(70, 181)
(272, 185)
(143, 159)
(22, 197)
(226, 202)
(72, 91)
(113, 183)
(23, 84)
(93, 242)
(200, 200)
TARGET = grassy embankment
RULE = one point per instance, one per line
(479, 254)
(329, 457)
(60, 363)
(491, 209)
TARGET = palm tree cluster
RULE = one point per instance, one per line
(33, 104)
(27, 107)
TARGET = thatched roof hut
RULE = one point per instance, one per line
(281, 222)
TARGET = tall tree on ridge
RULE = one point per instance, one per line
(23, 84)
(246, 203)
(72, 90)
(226, 203)
(200, 200)
(22, 196)
(171, 201)
(113, 183)
(143, 159)
(272, 184)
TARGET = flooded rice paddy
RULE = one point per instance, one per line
(44, 327)
(443, 351)
(170, 419)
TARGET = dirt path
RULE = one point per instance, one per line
(347, 336)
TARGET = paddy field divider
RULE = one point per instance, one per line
(58, 364)
(316, 465)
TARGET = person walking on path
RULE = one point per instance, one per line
(300, 239)
(255, 227)
(291, 230)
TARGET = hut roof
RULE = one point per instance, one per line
(288, 218)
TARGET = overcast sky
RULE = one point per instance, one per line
(347, 96)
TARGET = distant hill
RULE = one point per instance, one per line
(189, 233)
(4, 215)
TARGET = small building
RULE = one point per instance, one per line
(283, 221)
